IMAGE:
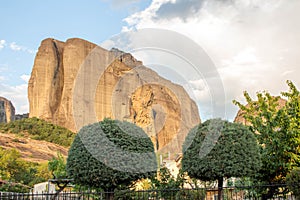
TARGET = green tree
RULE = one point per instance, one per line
(293, 182)
(110, 154)
(166, 182)
(14, 169)
(57, 167)
(220, 149)
(43, 173)
(278, 133)
(9, 163)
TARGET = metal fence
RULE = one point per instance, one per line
(229, 193)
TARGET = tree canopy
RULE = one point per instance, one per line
(111, 153)
(234, 153)
(278, 132)
(19, 174)
(57, 167)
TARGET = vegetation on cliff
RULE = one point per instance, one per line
(39, 129)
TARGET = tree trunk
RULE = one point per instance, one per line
(61, 188)
(270, 194)
(220, 188)
(109, 195)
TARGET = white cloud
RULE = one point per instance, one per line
(2, 44)
(145, 15)
(198, 84)
(244, 57)
(253, 43)
(25, 77)
(17, 95)
(287, 72)
(15, 47)
(200, 90)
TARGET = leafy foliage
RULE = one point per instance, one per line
(43, 173)
(278, 132)
(165, 180)
(96, 160)
(57, 167)
(166, 183)
(14, 187)
(19, 174)
(39, 129)
(234, 154)
(293, 182)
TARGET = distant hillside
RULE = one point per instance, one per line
(38, 129)
(31, 150)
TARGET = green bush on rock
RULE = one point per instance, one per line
(39, 129)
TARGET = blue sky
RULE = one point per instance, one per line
(254, 44)
(24, 24)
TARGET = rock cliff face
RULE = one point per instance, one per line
(75, 83)
(7, 111)
(30, 149)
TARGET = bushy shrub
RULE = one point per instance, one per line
(293, 182)
(39, 129)
(108, 154)
(19, 175)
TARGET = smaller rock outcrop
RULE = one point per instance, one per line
(7, 111)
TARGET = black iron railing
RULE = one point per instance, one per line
(229, 193)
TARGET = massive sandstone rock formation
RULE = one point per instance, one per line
(75, 83)
(7, 111)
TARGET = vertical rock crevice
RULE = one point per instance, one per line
(57, 83)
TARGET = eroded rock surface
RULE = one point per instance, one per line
(75, 83)
(7, 111)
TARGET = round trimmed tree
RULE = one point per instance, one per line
(219, 149)
(109, 154)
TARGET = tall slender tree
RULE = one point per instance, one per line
(278, 132)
